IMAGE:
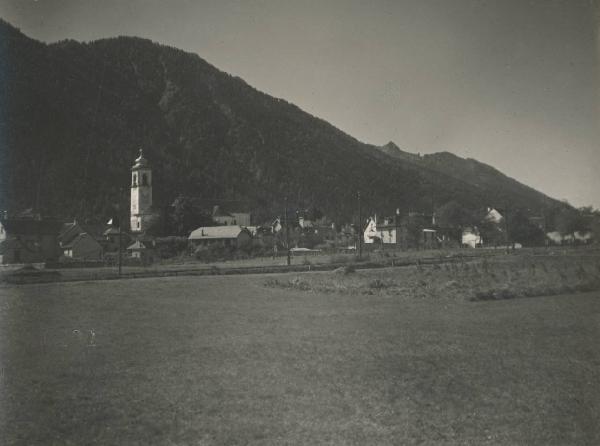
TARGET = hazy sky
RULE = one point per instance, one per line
(514, 83)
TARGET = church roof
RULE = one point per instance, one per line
(140, 161)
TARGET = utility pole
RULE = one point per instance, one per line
(120, 242)
(287, 233)
(396, 222)
(360, 235)
(506, 229)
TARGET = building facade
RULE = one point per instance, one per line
(29, 240)
(78, 243)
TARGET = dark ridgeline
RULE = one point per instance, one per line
(74, 115)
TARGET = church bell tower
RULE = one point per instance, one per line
(141, 194)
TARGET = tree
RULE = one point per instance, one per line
(569, 221)
(187, 215)
(454, 215)
(523, 231)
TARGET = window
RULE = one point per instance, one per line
(144, 180)
(138, 224)
(134, 179)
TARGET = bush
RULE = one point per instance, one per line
(214, 252)
(169, 247)
(340, 258)
(379, 284)
(349, 269)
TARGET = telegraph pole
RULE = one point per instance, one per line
(120, 242)
(360, 235)
(506, 229)
(287, 233)
(396, 221)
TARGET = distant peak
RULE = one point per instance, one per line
(391, 146)
(393, 150)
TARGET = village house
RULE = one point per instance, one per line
(29, 239)
(429, 238)
(493, 216)
(241, 218)
(77, 243)
(111, 239)
(140, 250)
(221, 217)
(471, 238)
(385, 231)
(305, 223)
(392, 231)
(227, 236)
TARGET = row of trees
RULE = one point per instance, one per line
(522, 225)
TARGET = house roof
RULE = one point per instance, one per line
(77, 239)
(137, 246)
(218, 212)
(72, 229)
(216, 232)
(69, 232)
(112, 231)
(494, 215)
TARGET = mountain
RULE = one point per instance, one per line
(74, 116)
(499, 189)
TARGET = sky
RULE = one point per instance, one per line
(512, 83)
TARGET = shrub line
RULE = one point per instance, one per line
(273, 269)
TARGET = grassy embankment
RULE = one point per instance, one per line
(502, 277)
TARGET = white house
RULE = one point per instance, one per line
(493, 216)
(385, 231)
(471, 237)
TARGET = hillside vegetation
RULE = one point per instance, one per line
(75, 114)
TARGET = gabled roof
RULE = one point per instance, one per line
(137, 246)
(69, 232)
(111, 231)
(77, 239)
(216, 232)
(494, 215)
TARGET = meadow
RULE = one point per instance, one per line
(255, 360)
(474, 278)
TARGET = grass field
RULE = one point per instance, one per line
(228, 360)
(474, 279)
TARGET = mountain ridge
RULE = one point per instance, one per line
(78, 112)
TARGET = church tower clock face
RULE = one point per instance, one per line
(141, 194)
